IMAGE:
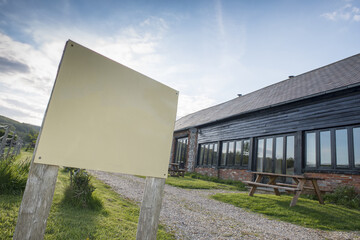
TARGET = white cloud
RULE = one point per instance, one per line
(345, 13)
(189, 104)
(134, 46)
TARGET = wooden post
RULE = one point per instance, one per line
(36, 202)
(3, 142)
(150, 209)
(10, 145)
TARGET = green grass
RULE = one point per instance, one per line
(307, 213)
(116, 220)
(192, 183)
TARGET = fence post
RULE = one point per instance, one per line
(10, 145)
(150, 209)
(3, 142)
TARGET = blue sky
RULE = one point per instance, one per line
(209, 50)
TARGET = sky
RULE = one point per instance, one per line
(208, 50)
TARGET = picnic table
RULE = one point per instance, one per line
(175, 171)
(296, 188)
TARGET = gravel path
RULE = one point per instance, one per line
(190, 214)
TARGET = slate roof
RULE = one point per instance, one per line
(333, 77)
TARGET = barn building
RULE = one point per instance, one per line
(309, 123)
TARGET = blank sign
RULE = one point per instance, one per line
(105, 116)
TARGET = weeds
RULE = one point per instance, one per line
(13, 176)
(79, 192)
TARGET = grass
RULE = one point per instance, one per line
(307, 213)
(192, 183)
(116, 220)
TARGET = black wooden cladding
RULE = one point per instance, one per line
(335, 109)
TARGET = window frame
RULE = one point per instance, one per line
(284, 137)
(201, 154)
(333, 167)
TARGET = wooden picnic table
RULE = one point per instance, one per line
(175, 171)
(296, 188)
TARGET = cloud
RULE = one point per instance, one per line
(11, 66)
(27, 72)
(345, 13)
(189, 104)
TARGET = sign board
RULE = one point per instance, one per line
(105, 116)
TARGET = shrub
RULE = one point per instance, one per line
(240, 185)
(13, 176)
(345, 195)
(80, 191)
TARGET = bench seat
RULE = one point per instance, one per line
(292, 189)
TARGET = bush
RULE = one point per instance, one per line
(345, 195)
(238, 184)
(80, 191)
(13, 176)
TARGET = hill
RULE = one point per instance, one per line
(22, 129)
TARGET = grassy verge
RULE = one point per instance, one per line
(116, 220)
(307, 213)
(192, 183)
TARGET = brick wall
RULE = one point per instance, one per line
(233, 174)
(333, 180)
(329, 184)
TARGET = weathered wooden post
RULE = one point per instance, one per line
(3, 142)
(36, 202)
(10, 145)
(150, 209)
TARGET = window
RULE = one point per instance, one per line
(310, 150)
(181, 151)
(235, 153)
(342, 154)
(356, 140)
(325, 148)
(208, 154)
(335, 148)
(276, 154)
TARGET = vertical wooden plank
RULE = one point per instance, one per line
(150, 209)
(317, 191)
(297, 194)
(11, 144)
(36, 202)
(3, 142)
(253, 188)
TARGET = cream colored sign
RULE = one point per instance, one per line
(105, 116)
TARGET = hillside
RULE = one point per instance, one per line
(22, 129)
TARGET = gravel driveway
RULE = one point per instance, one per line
(190, 214)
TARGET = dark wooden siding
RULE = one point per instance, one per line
(330, 110)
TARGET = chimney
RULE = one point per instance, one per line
(291, 76)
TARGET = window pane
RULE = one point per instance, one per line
(245, 160)
(342, 155)
(211, 153)
(201, 159)
(238, 153)
(215, 158)
(279, 154)
(206, 148)
(260, 155)
(268, 155)
(356, 134)
(178, 151)
(290, 154)
(325, 148)
(223, 155)
(231, 155)
(310, 150)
